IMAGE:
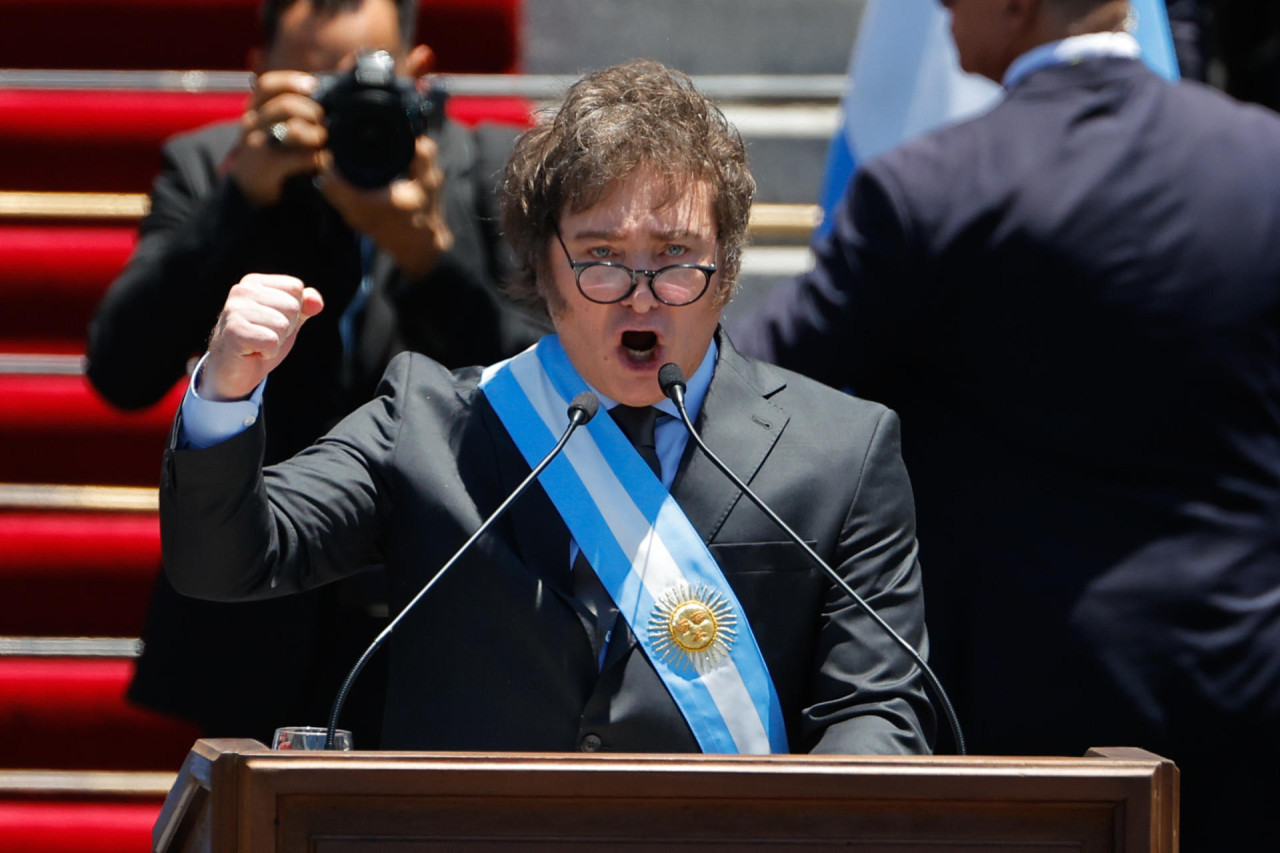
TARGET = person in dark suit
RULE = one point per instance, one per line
(599, 613)
(414, 265)
(1071, 301)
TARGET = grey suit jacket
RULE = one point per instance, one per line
(496, 656)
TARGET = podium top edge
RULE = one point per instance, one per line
(1115, 756)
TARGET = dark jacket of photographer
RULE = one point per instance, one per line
(204, 661)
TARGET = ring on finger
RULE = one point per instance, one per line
(278, 135)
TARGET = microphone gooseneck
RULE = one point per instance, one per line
(671, 379)
(582, 409)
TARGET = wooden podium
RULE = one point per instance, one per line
(237, 796)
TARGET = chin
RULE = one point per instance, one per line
(641, 398)
(639, 392)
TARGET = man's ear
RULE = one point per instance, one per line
(421, 60)
(1028, 19)
(1021, 12)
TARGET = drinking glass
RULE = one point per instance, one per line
(310, 737)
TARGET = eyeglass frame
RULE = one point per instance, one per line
(579, 266)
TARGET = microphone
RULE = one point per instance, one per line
(671, 380)
(582, 409)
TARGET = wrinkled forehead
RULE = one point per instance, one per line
(647, 198)
(325, 40)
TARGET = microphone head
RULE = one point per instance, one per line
(670, 377)
(586, 403)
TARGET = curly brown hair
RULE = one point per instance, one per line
(612, 123)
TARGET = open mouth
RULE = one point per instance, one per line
(640, 346)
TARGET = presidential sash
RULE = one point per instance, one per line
(647, 554)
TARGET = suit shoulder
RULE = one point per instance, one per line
(198, 155)
(809, 399)
(824, 398)
(214, 140)
(1216, 110)
(410, 367)
(413, 374)
(923, 172)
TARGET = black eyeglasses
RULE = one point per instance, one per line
(606, 282)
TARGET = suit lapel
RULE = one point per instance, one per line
(539, 535)
(741, 425)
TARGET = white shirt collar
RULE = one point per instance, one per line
(1070, 50)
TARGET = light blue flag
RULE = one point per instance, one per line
(905, 79)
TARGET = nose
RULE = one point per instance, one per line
(642, 299)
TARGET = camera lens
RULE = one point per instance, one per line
(371, 138)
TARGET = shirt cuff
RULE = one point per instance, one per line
(209, 422)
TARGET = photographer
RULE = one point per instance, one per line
(412, 264)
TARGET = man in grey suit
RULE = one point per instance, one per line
(633, 599)
(1072, 302)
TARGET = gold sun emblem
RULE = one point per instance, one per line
(692, 626)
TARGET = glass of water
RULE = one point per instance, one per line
(310, 737)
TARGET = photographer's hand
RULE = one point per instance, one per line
(404, 219)
(282, 133)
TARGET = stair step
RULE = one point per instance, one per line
(76, 827)
(92, 811)
(71, 713)
(109, 141)
(66, 574)
(56, 429)
(52, 277)
(477, 36)
(96, 140)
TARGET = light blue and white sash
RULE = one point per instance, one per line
(649, 557)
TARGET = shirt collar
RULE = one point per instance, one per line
(1071, 50)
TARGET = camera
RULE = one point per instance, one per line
(374, 117)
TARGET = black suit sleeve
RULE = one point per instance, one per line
(160, 310)
(233, 531)
(847, 322)
(868, 696)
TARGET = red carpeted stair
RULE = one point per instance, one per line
(100, 140)
(66, 433)
(63, 713)
(472, 36)
(80, 768)
(112, 824)
(69, 574)
(52, 278)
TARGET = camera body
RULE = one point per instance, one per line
(374, 117)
